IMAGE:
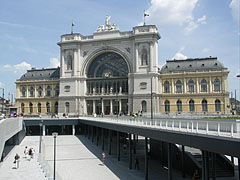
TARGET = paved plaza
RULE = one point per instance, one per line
(78, 159)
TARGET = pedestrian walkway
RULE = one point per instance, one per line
(28, 170)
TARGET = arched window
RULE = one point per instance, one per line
(57, 91)
(216, 85)
(22, 108)
(23, 91)
(218, 105)
(167, 106)
(48, 91)
(67, 107)
(48, 107)
(56, 108)
(178, 86)
(69, 62)
(166, 87)
(39, 91)
(179, 106)
(144, 106)
(191, 106)
(30, 108)
(203, 85)
(144, 61)
(191, 85)
(204, 105)
(31, 91)
(39, 108)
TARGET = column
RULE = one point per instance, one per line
(120, 106)
(185, 86)
(136, 57)
(118, 146)
(197, 86)
(130, 150)
(102, 139)
(73, 129)
(97, 134)
(75, 62)
(183, 162)
(169, 161)
(102, 106)
(92, 129)
(94, 106)
(109, 142)
(214, 166)
(111, 108)
(173, 86)
(146, 158)
(62, 63)
(44, 130)
(239, 168)
(120, 87)
(151, 57)
(210, 84)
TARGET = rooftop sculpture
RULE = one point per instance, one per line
(107, 26)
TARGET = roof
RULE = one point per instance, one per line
(41, 74)
(197, 64)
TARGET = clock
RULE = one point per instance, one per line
(107, 74)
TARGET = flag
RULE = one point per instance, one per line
(73, 23)
(145, 14)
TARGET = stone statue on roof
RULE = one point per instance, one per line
(107, 26)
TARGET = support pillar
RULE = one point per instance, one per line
(214, 166)
(92, 134)
(130, 150)
(183, 162)
(162, 154)
(109, 142)
(203, 165)
(102, 139)
(146, 158)
(73, 129)
(238, 168)
(44, 130)
(118, 146)
(97, 134)
(134, 144)
(111, 108)
(88, 131)
(94, 106)
(169, 161)
(120, 106)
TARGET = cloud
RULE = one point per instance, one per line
(194, 24)
(1, 84)
(202, 20)
(205, 50)
(234, 5)
(7, 66)
(179, 56)
(22, 67)
(54, 62)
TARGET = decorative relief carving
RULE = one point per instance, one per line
(85, 53)
(128, 49)
(143, 85)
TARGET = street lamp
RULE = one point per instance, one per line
(54, 155)
(40, 144)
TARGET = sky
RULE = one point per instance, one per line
(30, 30)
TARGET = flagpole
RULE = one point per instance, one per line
(72, 27)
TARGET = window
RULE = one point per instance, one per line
(31, 91)
(67, 107)
(166, 87)
(216, 85)
(218, 105)
(23, 92)
(203, 85)
(144, 61)
(179, 106)
(178, 86)
(39, 108)
(204, 106)
(30, 108)
(144, 106)
(69, 62)
(56, 108)
(167, 106)
(39, 91)
(191, 86)
(191, 106)
(48, 107)
(57, 91)
(22, 108)
(48, 91)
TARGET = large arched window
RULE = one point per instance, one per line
(144, 61)
(179, 106)
(144, 106)
(22, 108)
(30, 108)
(218, 105)
(23, 91)
(39, 107)
(203, 85)
(48, 91)
(39, 91)
(167, 106)
(67, 107)
(69, 62)
(56, 108)
(166, 87)
(204, 105)
(191, 106)
(178, 86)
(48, 107)
(191, 85)
(216, 85)
(31, 91)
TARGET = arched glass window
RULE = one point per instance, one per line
(97, 87)
(191, 106)
(30, 108)
(48, 91)
(48, 107)
(191, 85)
(23, 91)
(39, 108)
(178, 86)
(144, 106)
(179, 106)
(144, 61)
(203, 85)
(22, 108)
(166, 87)
(69, 62)
(67, 107)
(167, 106)
(31, 91)
(216, 85)
(57, 91)
(39, 91)
(204, 105)
(218, 105)
(56, 107)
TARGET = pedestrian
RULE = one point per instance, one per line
(33, 152)
(103, 158)
(196, 175)
(25, 152)
(136, 166)
(30, 153)
(16, 160)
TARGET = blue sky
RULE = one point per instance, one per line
(30, 29)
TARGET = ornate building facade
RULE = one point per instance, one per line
(112, 72)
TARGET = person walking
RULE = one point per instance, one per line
(103, 158)
(25, 152)
(16, 160)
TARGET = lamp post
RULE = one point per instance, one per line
(2, 98)
(40, 144)
(54, 154)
